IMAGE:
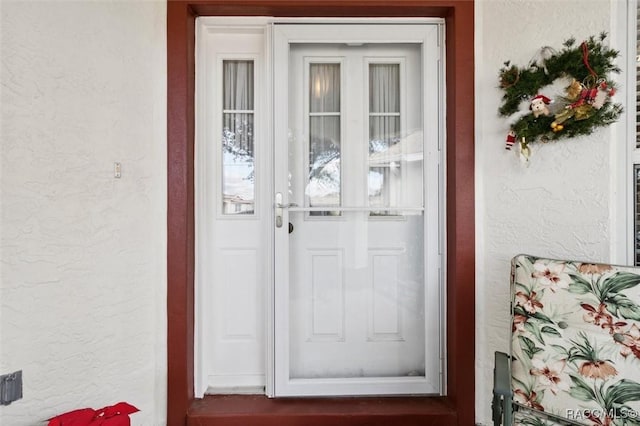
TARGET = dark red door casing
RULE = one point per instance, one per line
(457, 408)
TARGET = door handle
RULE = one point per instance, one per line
(279, 208)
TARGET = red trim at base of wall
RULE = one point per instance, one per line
(457, 408)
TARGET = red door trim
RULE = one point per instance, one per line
(459, 16)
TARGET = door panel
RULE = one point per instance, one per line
(357, 304)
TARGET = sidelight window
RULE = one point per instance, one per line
(238, 175)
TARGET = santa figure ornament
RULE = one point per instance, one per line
(511, 139)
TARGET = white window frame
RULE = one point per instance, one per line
(624, 153)
(632, 138)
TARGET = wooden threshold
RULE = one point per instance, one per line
(258, 410)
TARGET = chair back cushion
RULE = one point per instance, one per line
(575, 341)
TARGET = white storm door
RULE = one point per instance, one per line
(357, 260)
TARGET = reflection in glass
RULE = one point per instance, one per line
(385, 151)
(357, 309)
(238, 179)
(324, 137)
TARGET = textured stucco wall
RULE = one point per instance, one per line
(559, 205)
(82, 280)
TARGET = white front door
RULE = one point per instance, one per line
(357, 256)
(319, 207)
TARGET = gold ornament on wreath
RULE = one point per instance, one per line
(559, 95)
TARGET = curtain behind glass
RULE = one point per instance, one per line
(238, 103)
(324, 135)
(324, 82)
(384, 132)
(238, 85)
(384, 105)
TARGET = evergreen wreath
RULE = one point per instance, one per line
(583, 73)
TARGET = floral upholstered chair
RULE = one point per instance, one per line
(575, 344)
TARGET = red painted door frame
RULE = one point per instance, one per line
(459, 16)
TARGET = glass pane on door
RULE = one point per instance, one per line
(357, 297)
(384, 136)
(356, 283)
(324, 179)
(238, 179)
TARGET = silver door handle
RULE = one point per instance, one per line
(286, 206)
(279, 206)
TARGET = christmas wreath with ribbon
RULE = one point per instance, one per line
(559, 94)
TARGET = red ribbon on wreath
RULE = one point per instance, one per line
(588, 94)
(585, 58)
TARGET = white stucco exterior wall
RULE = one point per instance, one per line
(83, 255)
(560, 205)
